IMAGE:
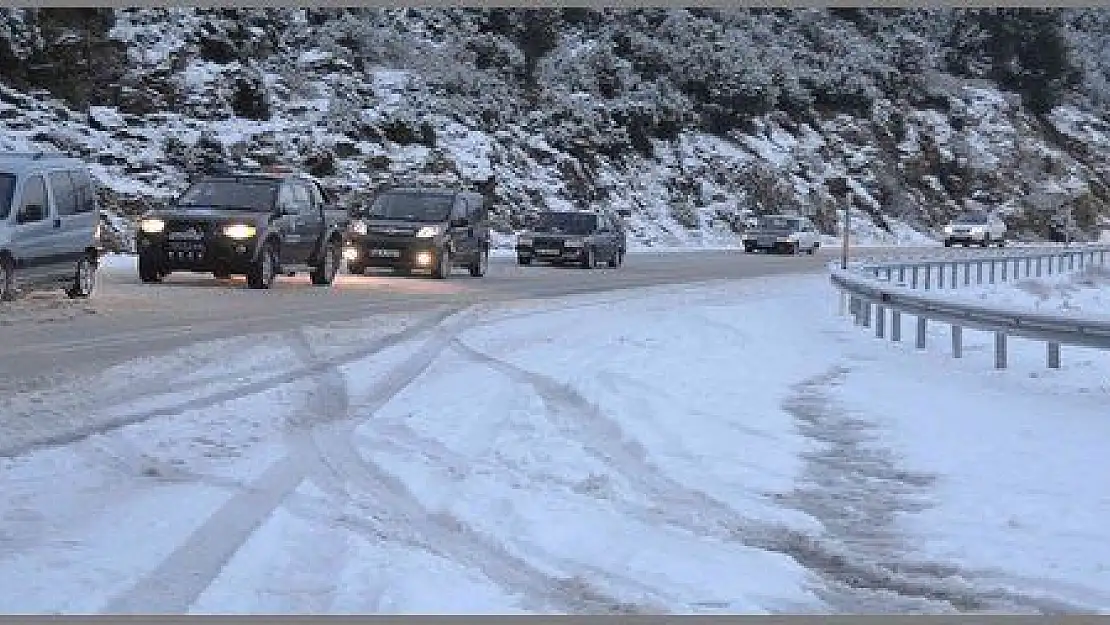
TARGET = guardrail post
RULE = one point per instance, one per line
(955, 274)
(913, 278)
(928, 275)
(1028, 266)
(880, 322)
(957, 342)
(1053, 355)
(1005, 269)
(889, 274)
(979, 272)
(992, 271)
(1038, 266)
(999, 350)
(853, 309)
(1071, 261)
(967, 274)
(922, 326)
(865, 314)
(895, 325)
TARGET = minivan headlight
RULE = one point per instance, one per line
(152, 226)
(239, 231)
(427, 232)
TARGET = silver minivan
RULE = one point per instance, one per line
(49, 225)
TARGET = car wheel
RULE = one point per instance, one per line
(479, 267)
(948, 243)
(221, 275)
(324, 273)
(7, 280)
(590, 261)
(355, 270)
(522, 260)
(443, 265)
(84, 279)
(148, 270)
(263, 271)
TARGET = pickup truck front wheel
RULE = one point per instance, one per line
(7, 280)
(324, 273)
(264, 270)
(480, 265)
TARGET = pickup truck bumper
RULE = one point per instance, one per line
(214, 255)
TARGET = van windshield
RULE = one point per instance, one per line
(7, 190)
(565, 223)
(429, 207)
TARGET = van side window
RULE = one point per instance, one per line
(459, 209)
(477, 212)
(303, 199)
(34, 194)
(86, 190)
(65, 194)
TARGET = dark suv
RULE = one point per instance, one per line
(258, 225)
(583, 237)
(411, 228)
(49, 225)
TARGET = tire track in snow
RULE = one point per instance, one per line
(850, 580)
(179, 580)
(198, 403)
(856, 490)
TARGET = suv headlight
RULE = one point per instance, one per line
(427, 232)
(357, 226)
(239, 231)
(949, 230)
(573, 243)
(152, 226)
(524, 241)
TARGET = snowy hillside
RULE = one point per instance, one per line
(686, 118)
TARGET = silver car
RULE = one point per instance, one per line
(49, 225)
(783, 234)
(975, 229)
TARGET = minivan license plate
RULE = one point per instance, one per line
(386, 253)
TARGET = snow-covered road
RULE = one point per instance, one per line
(729, 448)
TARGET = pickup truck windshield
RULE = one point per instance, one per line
(230, 194)
(779, 223)
(427, 207)
(7, 190)
(565, 223)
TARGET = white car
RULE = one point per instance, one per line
(975, 228)
(783, 234)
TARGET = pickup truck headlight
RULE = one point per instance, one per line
(526, 241)
(357, 226)
(949, 230)
(427, 232)
(152, 226)
(239, 231)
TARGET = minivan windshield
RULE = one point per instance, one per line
(7, 190)
(230, 194)
(411, 206)
(778, 223)
(565, 223)
(971, 218)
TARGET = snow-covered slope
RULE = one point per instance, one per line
(591, 111)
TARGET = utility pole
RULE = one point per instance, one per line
(839, 188)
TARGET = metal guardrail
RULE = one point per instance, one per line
(874, 288)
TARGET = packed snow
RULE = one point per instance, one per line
(725, 448)
(1082, 293)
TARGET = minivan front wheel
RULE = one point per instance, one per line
(7, 280)
(84, 279)
(480, 265)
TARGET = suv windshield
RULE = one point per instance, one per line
(566, 223)
(411, 206)
(7, 189)
(971, 219)
(778, 223)
(231, 194)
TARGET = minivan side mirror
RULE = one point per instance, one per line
(31, 212)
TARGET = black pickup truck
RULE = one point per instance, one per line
(257, 225)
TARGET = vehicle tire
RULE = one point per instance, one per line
(617, 259)
(355, 270)
(590, 261)
(263, 271)
(84, 279)
(148, 270)
(7, 280)
(324, 273)
(221, 275)
(479, 267)
(442, 269)
(520, 260)
(948, 243)
(811, 250)
(401, 270)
